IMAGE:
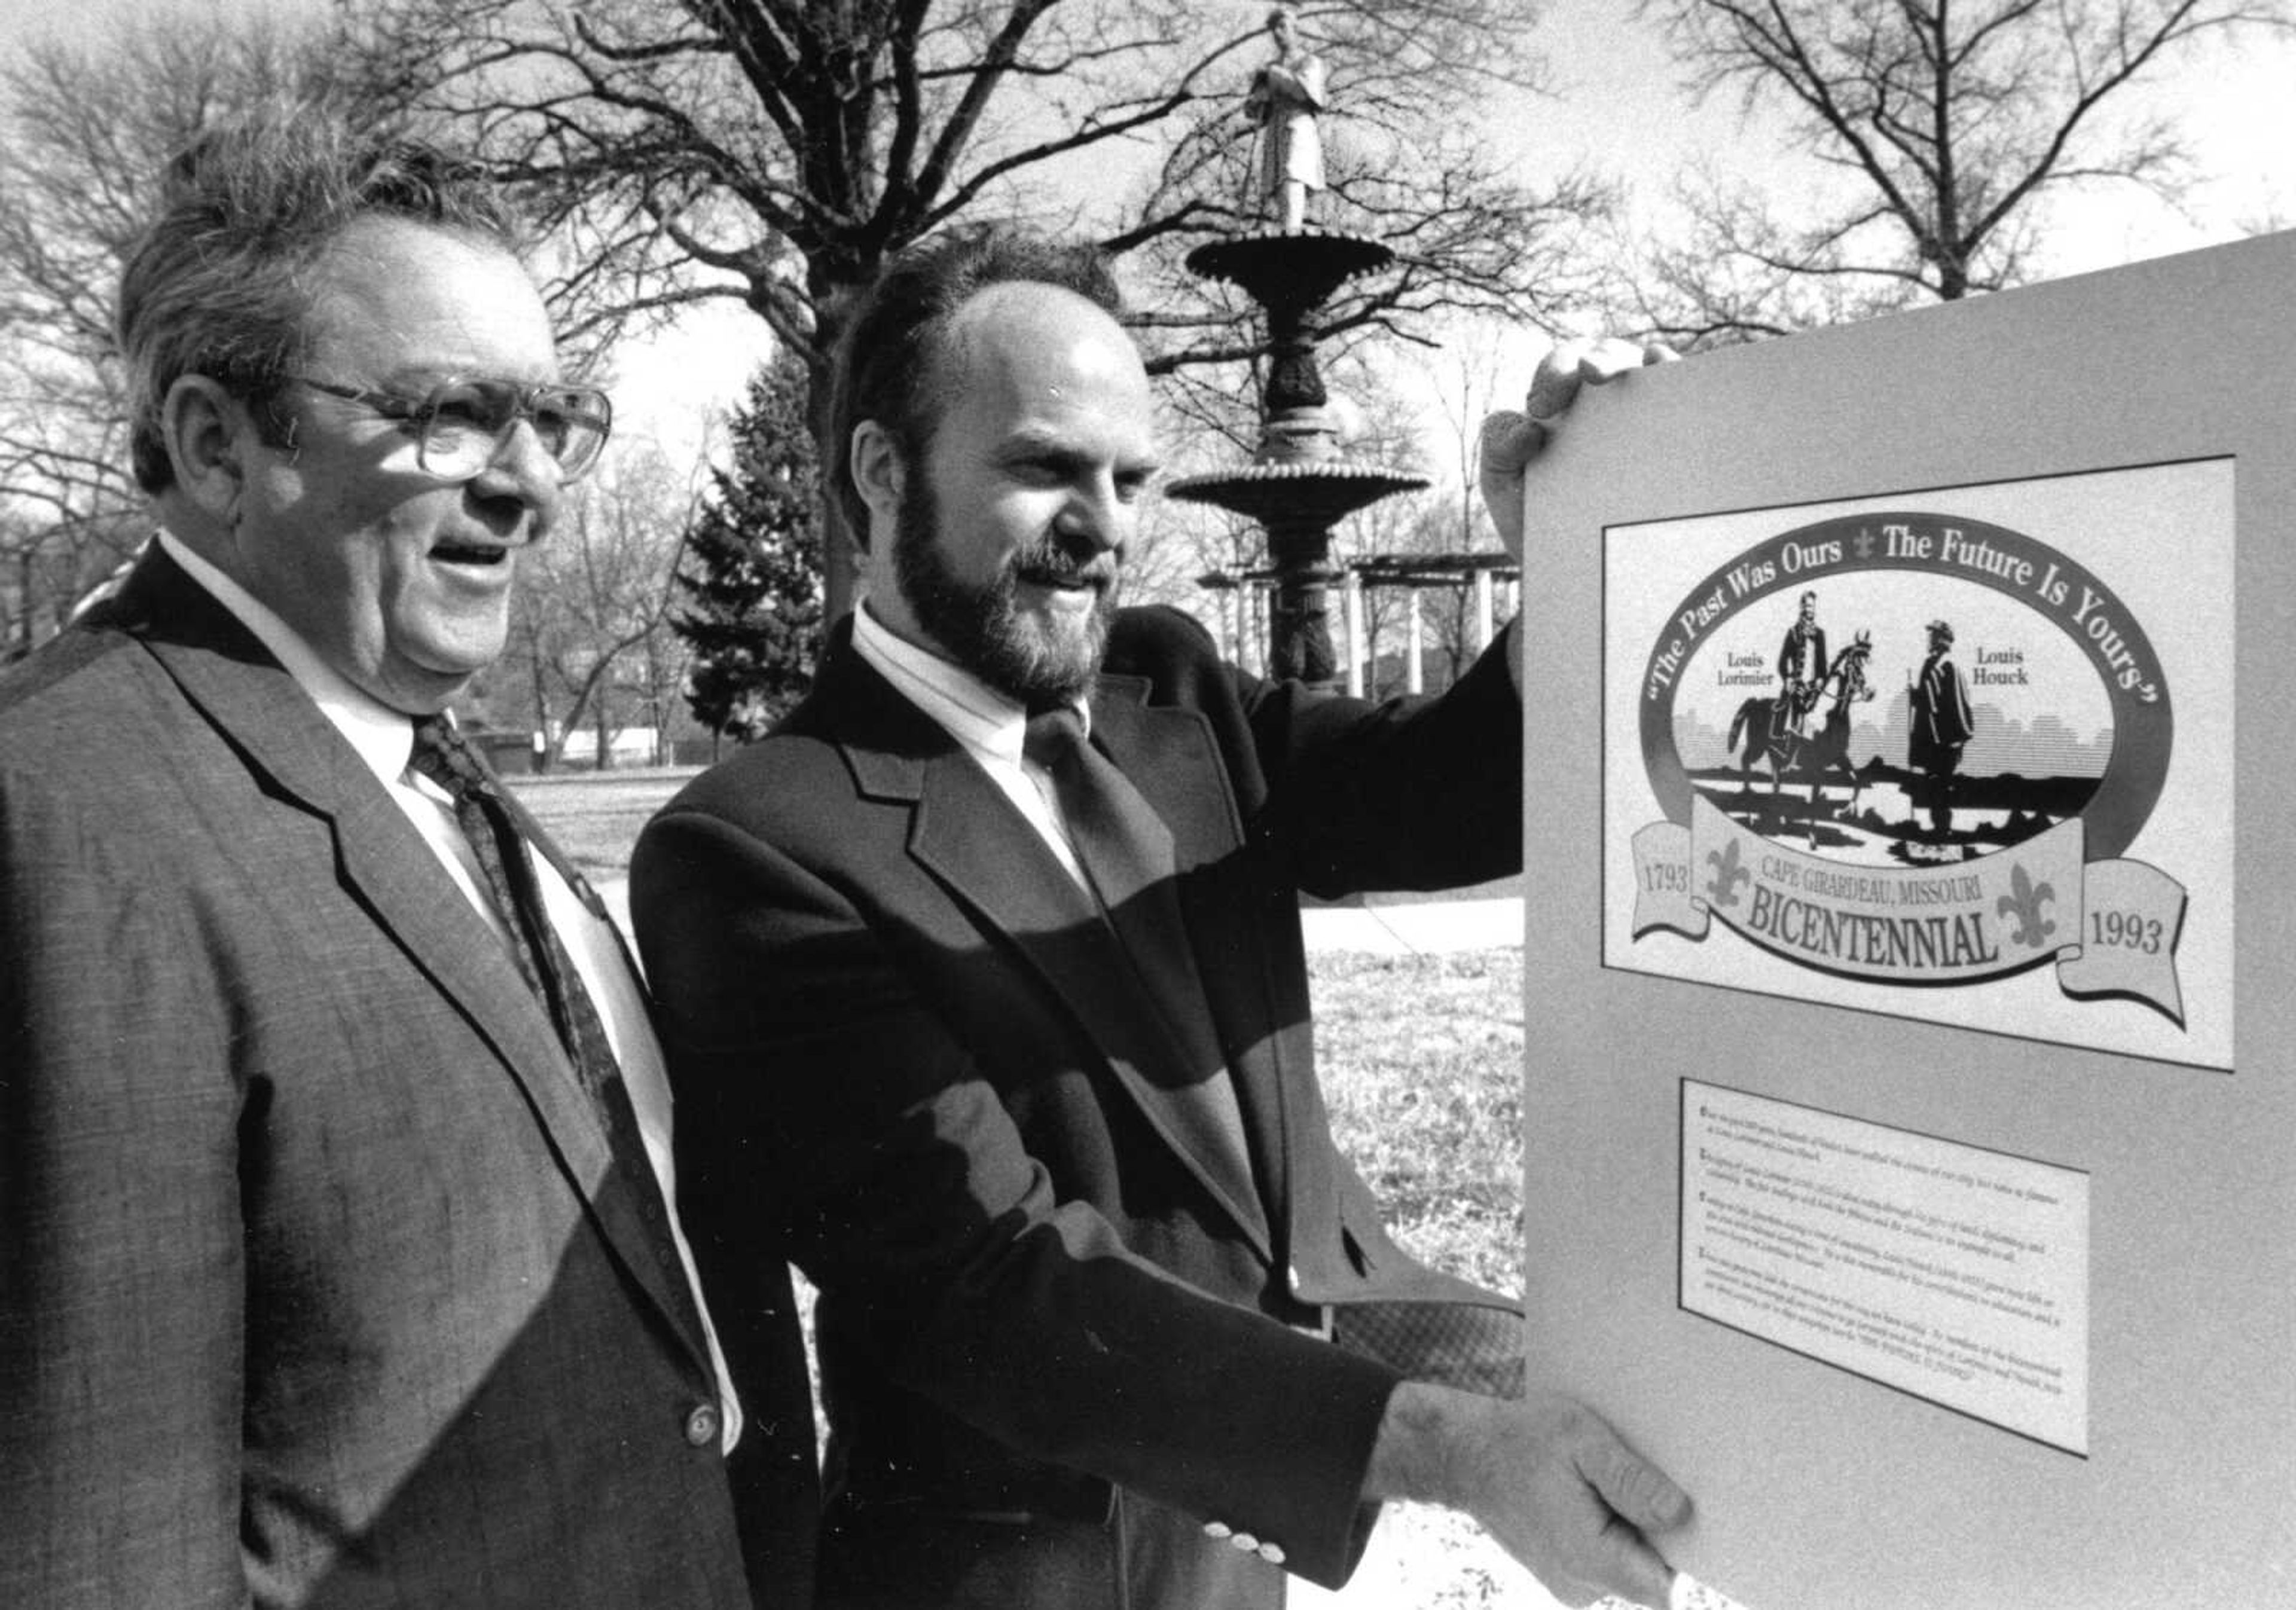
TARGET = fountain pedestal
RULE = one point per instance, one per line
(1299, 485)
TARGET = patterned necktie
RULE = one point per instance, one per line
(441, 754)
(1116, 836)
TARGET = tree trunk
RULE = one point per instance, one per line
(840, 575)
(546, 750)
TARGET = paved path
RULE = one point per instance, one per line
(1417, 928)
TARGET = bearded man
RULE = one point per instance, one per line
(984, 1002)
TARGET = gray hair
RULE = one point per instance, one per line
(216, 285)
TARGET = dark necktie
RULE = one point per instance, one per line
(1125, 851)
(441, 754)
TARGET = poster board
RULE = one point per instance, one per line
(1912, 1167)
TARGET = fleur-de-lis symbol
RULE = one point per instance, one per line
(1863, 543)
(2023, 905)
(1727, 875)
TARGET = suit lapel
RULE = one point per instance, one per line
(631, 1206)
(225, 670)
(1169, 753)
(967, 834)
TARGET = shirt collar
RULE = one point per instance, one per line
(975, 713)
(383, 737)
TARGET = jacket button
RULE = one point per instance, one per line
(1217, 1528)
(1245, 1542)
(703, 1426)
(1272, 1553)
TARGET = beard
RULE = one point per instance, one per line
(984, 626)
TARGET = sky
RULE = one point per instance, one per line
(1619, 99)
(1616, 103)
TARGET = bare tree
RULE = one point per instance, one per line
(1951, 125)
(1426, 544)
(1470, 383)
(88, 127)
(777, 151)
(591, 614)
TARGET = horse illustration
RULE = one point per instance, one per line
(1773, 734)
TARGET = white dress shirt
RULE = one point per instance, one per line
(990, 726)
(384, 738)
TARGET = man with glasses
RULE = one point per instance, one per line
(336, 1205)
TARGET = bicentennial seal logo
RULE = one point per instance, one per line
(1910, 747)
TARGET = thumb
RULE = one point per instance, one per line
(1509, 441)
(1556, 380)
(1640, 1576)
(1636, 1491)
(1643, 1499)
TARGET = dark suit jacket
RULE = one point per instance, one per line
(1815, 670)
(1941, 722)
(319, 1287)
(908, 1053)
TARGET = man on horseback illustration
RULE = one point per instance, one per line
(1824, 751)
(1801, 671)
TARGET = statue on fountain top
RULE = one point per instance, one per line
(1285, 97)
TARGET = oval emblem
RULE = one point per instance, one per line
(1907, 748)
(2046, 698)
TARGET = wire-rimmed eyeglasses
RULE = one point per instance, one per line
(464, 421)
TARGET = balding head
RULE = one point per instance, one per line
(886, 361)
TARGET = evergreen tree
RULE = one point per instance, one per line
(752, 571)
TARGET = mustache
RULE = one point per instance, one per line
(1048, 563)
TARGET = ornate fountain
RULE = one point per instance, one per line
(1299, 485)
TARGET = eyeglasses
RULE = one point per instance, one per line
(465, 422)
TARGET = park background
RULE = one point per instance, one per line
(1546, 172)
(1541, 171)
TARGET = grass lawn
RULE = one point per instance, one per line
(1422, 1064)
(595, 815)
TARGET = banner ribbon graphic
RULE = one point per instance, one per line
(2111, 926)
